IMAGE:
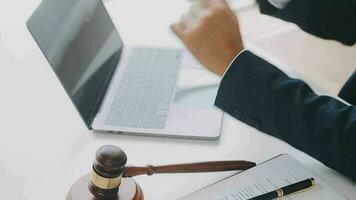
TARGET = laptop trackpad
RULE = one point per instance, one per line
(202, 96)
(193, 112)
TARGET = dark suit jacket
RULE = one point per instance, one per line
(257, 93)
(329, 19)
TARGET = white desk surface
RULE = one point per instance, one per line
(45, 147)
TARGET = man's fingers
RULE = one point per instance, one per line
(196, 8)
(187, 19)
(204, 3)
(178, 28)
(210, 3)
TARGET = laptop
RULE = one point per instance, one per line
(116, 88)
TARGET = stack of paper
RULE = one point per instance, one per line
(278, 172)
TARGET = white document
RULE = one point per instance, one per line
(278, 172)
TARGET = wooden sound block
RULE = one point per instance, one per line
(129, 190)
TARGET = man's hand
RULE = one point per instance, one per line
(210, 30)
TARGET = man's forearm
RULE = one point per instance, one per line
(262, 96)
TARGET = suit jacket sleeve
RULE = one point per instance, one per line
(348, 92)
(329, 19)
(257, 93)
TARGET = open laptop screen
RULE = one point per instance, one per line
(83, 47)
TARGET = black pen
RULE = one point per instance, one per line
(289, 189)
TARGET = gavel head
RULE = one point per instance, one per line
(108, 167)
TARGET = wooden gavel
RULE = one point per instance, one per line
(111, 179)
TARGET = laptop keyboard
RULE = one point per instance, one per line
(145, 92)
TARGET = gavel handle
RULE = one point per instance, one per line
(214, 166)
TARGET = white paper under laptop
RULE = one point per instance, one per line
(278, 172)
(117, 87)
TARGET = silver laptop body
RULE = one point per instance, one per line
(116, 88)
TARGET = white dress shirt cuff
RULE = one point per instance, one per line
(280, 4)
